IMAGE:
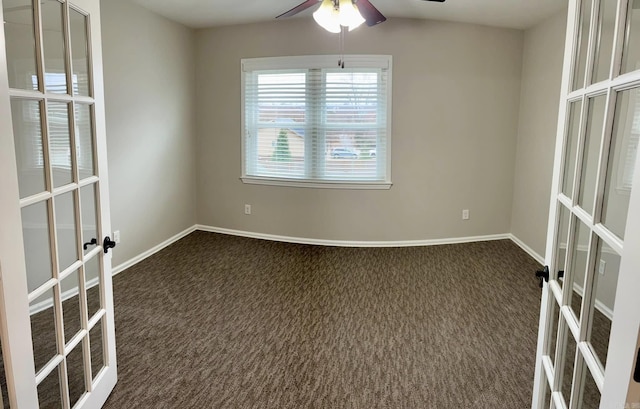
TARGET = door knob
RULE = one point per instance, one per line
(108, 244)
(543, 275)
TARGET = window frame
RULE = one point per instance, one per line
(249, 65)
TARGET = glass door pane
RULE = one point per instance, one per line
(89, 217)
(59, 143)
(604, 42)
(575, 277)
(583, 43)
(71, 308)
(605, 286)
(96, 340)
(75, 373)
(567, 359)
(590, 398)
(631, 54)
(19, 32)
(562, 241)
(53, 39)
(622, 161)
(79, 52)
(49, 391)
(591, 154)
(571, 148)
(27, 135)
(84, 140)
(66, 230)
(37, 245)
(43, 329)
(93, 286)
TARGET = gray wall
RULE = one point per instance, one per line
(456, 94)
(538, 117)
(150, 96)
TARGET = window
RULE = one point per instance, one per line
(307, 122)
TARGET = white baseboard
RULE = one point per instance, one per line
(526, 248)
(45, 304)
(323, 242)
(135, 260)
(349, 243)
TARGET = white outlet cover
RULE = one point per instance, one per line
(602, 267)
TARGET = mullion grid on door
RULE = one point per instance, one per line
(78, 214)
(61, 366)
(64, 370)
(568, 321)
(590, 361)
(89, 322)
(592, 221)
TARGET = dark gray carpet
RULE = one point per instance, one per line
(223, 322)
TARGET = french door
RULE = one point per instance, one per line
(56, 302)
(590, 318)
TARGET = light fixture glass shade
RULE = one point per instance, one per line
(328, 17)
(349, 16)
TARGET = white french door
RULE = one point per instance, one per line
(56, 301)
(589, 322)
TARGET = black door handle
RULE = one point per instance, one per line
(636, 373)
(93, 242)
(108, 244)
(543, 275)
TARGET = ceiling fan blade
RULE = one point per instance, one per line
(439, 1)
(371, 14)
(300, 7)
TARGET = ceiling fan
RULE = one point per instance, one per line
(363, 8)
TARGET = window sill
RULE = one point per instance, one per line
(253, 180)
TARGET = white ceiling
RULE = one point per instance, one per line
(519, 14)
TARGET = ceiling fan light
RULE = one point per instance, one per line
(349, 15)
(327, 16)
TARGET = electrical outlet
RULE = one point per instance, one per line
(465, 214)
(116, 236)
(602, 267)
(247, 209)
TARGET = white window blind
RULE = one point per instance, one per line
(58, 122)
(308, 121)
